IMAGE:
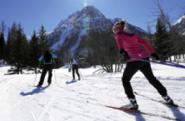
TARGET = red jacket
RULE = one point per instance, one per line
(135, 47)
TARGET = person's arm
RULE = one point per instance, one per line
(145, 44)
(125, 54)
(54, 57)
(41, 59)
(122, 51)
(118, 42)
(148, 47)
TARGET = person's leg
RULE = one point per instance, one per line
(77, 72)
(42, 77)
(50, 76)
(147, 71)
(73, 72)
(130, 70)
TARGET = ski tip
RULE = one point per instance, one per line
(172, 105)
(175, 105)
(123, 108)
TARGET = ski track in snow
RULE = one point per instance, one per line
(86, 100)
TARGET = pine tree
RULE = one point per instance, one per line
(43, 45)
(2, 46)
(178, 44)
(34, 52)
(24, 47)
(12, 33)
(17, 48)
(20, 49)
(162, 44)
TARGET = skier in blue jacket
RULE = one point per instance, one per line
(48, 61)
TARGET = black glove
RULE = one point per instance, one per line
(125, 54)
(155, 56)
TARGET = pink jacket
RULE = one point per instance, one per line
(136, 47)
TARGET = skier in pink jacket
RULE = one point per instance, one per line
(137, 52)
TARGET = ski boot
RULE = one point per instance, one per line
(133, 106)
(169, 101)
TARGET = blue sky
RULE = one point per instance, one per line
(31, 14)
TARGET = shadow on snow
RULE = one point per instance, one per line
(71, 81)
(36, 90)
(177, 113)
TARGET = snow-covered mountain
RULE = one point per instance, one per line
(180, 25)
(69, 33)
(79, 23)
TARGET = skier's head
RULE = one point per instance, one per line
(118, 26)
(47, 51)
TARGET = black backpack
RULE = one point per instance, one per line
(48, 58)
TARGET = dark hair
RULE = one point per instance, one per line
(121, 23)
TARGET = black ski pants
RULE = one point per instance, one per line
(75, 70)
(145, 68)
(46, 68)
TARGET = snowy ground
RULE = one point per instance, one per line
(86, 100)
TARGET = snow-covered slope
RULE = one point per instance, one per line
(86, 100)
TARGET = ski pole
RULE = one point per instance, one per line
(35, 80)
(170, 64)
(35, 76)
(55, 77)
(165, 63)
(80, 74)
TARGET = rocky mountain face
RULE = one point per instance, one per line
(87, 33)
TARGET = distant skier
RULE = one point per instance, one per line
(47, 61)
(137, 52)
(74, 65)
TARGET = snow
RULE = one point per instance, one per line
(183, 33)
(82, 33)
(63, 37)
(180, 19)
(86, 100)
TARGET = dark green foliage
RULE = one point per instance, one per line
(34, 52)
(103, 46)
(163, 46)
(43, 45)
(100, 49)
(2, 46)
(178, 42)
(21, 53)
(17, 48)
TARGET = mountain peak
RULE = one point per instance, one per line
(89, 7)
(91, 11)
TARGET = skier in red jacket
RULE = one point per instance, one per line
(137, 52)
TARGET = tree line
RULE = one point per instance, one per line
(167, 41)
(19, 51)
